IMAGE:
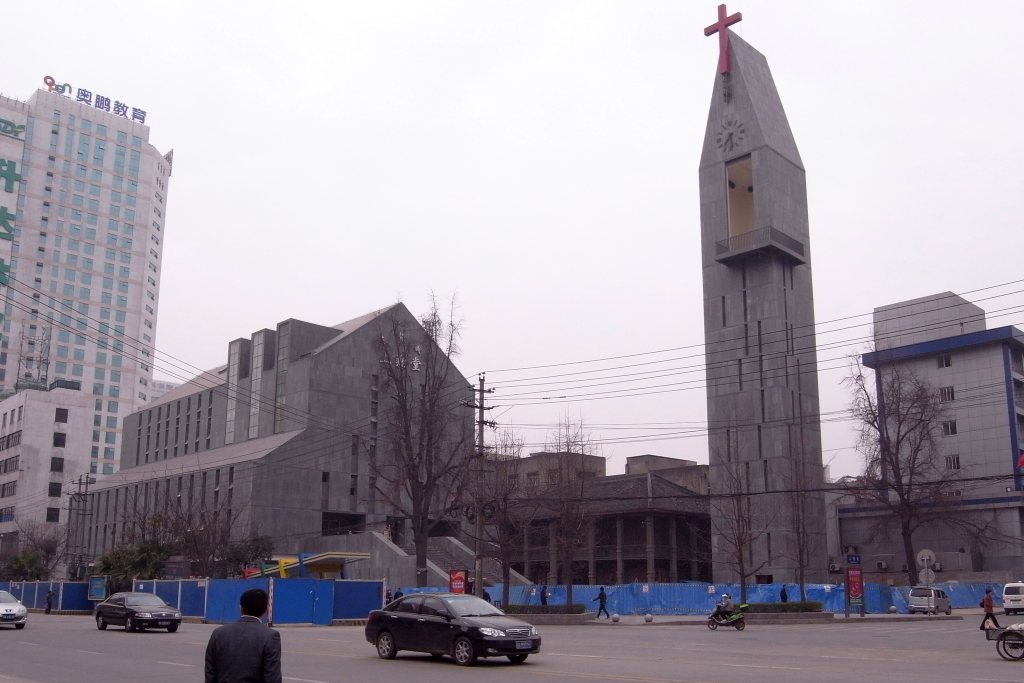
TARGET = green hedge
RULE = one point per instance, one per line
(766, 607)
(544, 609)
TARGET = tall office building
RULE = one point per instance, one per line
(83, 200)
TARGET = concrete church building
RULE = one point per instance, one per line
(762, 387)
(278, 441)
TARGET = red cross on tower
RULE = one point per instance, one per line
(723, 36)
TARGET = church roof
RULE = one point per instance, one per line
(754, 101)
(350, 326)
(225, 456)
(208, 379)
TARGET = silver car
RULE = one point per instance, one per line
(928, 600)
(12, 612)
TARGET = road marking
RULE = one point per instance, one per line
(90, 652)
(174, 663)
(763, 666)
(858, 658)
(303, 680)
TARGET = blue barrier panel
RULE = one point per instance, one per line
(75, 596)
(354, 599)
(223, 594)
(193, 598)
(293, 601)
(323, 601)
(168, 591)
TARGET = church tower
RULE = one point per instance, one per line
(767, 507)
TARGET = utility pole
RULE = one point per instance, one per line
(78, 510)
(478, 566)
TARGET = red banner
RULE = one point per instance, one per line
(855, 585)
(457, 580)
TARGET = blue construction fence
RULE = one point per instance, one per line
(700, 598)
(293, 601)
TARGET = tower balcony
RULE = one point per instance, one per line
(767, 238)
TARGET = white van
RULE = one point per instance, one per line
(928, 600)
(1013, 598)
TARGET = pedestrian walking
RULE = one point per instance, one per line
(783, 595)
(986, 605)
(246, 650)
(49, 601)
(544, 594)
(602, 604)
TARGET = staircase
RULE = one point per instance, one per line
(448, 552)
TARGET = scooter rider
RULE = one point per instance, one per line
(724, 608)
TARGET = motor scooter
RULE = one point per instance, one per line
(735, 619)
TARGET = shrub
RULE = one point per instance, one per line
(545, 609)
(767, 607)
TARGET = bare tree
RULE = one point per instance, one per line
(426, 448)
(499, 503)
(799, 482)
(735, 521)
(207, 534)
(899, 417)
(47, 541)
(564, 496)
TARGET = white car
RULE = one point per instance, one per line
(12, 612)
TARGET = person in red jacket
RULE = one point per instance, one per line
(986, 604)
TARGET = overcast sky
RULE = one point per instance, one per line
(538, 160)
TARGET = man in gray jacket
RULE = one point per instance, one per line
(245, 651)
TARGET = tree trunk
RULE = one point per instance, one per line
(505, 575)
(421, 541)
(908, 550)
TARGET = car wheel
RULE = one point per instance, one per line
(101, 623)
(741, 624)
(949, 610)
(386, 645)
(712, 624)
(172, 628)
(129, 625)
(463, 652)
(19, 626)
(517, 659)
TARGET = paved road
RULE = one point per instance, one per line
(64, 648)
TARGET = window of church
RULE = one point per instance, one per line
(740, 188)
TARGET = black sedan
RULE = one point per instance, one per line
(137, 612)
(463, 626)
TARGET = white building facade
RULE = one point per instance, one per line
(977, 374)
(83, 201)
(44, 452)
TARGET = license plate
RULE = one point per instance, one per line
(523, 645)
(163, 623)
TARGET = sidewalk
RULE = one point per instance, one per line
(701, 620)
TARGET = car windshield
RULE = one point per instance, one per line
(471, 606)
(7, 597)
(920, 592)
(144, 601)
(1013, 590)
